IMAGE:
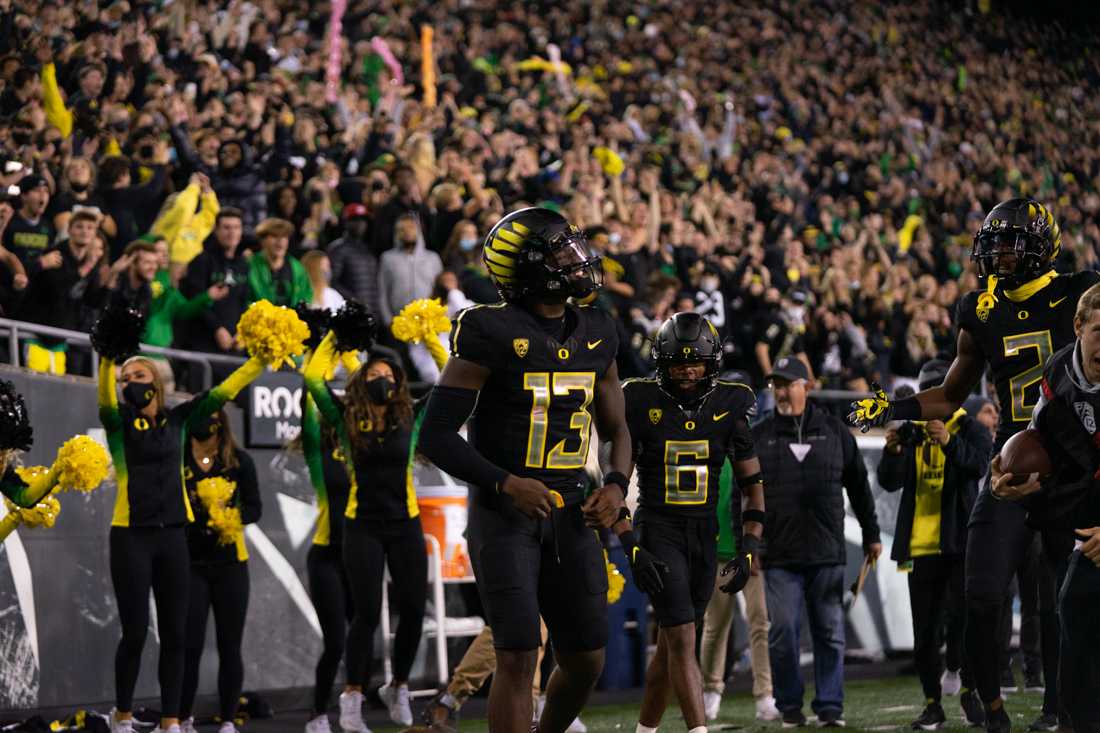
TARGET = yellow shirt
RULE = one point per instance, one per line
(925, 537)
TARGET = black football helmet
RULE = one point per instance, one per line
(688, 338)
(536, 252)
(1019, 241)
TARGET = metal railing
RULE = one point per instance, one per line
(16, 330)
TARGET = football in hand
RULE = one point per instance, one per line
(1024, 454)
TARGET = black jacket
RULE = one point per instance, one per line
(966, 460)
(804, 500)
(211, 268)
(202, 541)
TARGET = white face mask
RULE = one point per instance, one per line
(710, 284)
(614, 237)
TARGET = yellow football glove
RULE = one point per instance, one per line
(871, 412)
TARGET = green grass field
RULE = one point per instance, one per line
(870, 705)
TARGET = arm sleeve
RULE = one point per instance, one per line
(26, 495)
(311, 445)
(858, 487)
(252, 507)
(106, 395)
(184, 150)
(212, 401)
(317, 368)
(57, 113)
(448, 409)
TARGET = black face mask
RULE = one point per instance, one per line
(380, 390)
(78, 187)
(139, 394)
(206, 427)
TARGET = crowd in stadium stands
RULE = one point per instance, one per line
(809, 176)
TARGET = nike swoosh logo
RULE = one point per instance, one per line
(1054, 303)
(593, 344)
(720, 415)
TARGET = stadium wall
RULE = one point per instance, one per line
(58, 618)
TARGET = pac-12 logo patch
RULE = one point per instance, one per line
(521, 346)
(1088, 417)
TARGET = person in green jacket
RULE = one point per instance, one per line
(273, 274)
(719, 619)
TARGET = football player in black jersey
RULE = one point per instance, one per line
(684, 425)
(538, 369)
(1024, 314)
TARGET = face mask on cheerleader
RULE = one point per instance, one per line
(139, 394)
(380, 390)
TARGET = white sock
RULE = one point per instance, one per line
(644, 729)
(698, 729)
(449, 701)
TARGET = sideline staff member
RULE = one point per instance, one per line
(808, 458)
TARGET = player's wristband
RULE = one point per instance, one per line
(756, 478)
(906, 409)
(624, 513)
(750, 545)
(617, 478)
(752, 515)
(626, 539)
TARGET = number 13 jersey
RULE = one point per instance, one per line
(1017, 337)
(534, 414)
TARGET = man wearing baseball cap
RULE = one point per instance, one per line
(808, 459)
(30, 232)
(354, 266)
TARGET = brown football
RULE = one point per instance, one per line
(1024, 454)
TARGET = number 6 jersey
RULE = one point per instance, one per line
(534, 414)
(679, 453)
(1017, 336)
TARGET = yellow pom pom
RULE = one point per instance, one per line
(421, 320)
(82, 464)
(215, 493)
(615, 580)
(271, 333)
(41, 515)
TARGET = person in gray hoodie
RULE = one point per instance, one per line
(408, 271)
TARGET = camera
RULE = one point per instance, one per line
(146, 151)
(911, 435)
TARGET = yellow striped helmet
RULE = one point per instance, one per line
(535, 252)
(1019, 241)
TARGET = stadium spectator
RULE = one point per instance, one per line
(132, 207)
(220, 263)
(408, 271)
(29, 233)
(319, 270)
(272, 273)
(937, 468)
(354, 265)
(66, 282)
(182, 227)
(804, 539)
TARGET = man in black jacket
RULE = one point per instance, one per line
(936, 465)
(808, 458)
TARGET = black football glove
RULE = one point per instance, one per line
(871, 412)
(739, 568)
(647, 570)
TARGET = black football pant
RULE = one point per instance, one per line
(1035, 579)
(223, 589)
(1078, 602)
(144, 558)
(996, 549)
(331, 596)
(369, 546)
(935, 593)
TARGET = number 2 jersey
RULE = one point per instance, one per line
(679, 453)
(534, 414)
(1016, 338)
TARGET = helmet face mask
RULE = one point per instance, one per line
(1018, 242)
(687, 339)
(535, 253)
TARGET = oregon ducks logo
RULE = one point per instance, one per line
(690, 425)
(337, 454)
(687, 351)
(188, 474)
(563, 354)
(141, 424)
(1022, 315)
(521, 346)
(365, 426)
(655, 416)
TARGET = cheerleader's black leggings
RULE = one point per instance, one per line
(144, 558)
(223, 589)
(331, 596)
(369, 545)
